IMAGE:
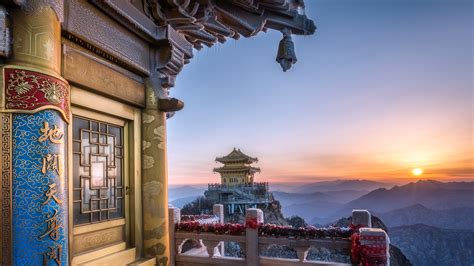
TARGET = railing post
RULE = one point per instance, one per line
(218, 210)
(374, 242)
(375, 246)
(361, 218)
(253, 217)
(174, 215)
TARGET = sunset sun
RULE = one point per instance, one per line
(417, 171)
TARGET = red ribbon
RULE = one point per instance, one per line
(355, 249)
(251, 223)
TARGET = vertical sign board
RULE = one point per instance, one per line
(35, 113)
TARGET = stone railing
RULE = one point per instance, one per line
(207, 248)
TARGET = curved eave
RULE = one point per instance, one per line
(236, 156)
(243, 160)
(208, 22)
(234, 170)
(248, 21)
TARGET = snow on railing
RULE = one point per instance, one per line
(200, 219)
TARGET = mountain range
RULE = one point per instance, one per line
(327, 201)
(432, 194)
(341, 185)
(457, 218)
(179, 191)
(426, 245)
(319, 199)
(320, 207)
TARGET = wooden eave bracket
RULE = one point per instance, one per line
(170, 105)
(173, 54)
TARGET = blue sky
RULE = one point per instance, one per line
(382, 87)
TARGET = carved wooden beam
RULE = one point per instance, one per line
(173, 49)
(132, 18)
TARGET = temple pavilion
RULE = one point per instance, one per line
(237, 190)
(237, 169)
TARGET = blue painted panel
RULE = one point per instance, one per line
(34, 239)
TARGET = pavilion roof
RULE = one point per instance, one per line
(236, 156)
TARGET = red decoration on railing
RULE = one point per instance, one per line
(309, 232)
(218, 228)
(355, 249)
(355, 227)
(368, 254)
(251, 223)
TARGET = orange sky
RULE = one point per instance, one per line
(377, 91)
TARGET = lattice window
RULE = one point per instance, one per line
(98, 176)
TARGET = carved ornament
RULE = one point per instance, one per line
(28, 91)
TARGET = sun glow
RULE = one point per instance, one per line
(417, 171)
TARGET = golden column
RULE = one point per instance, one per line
(37, 39)
(35, 110)
(155, 178)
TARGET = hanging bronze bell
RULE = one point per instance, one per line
(286, 51)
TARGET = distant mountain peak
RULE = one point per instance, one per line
(414, 207)
(418, 206)
(342, 184)
(428, 181)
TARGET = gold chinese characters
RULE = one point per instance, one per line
(52, 162)
(54, 253)
(51, 194)
(53, 227)
(55, 134)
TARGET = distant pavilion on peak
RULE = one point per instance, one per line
(237, 190)
(237, 168)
